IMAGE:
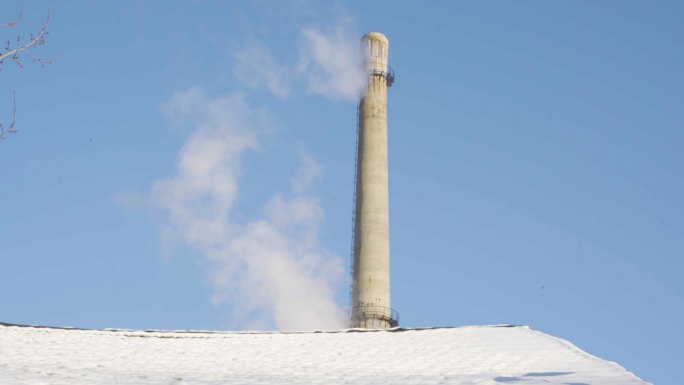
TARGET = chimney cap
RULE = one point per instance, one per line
(375, 36)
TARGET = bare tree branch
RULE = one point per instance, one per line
(15, 22)
(10, 129)
(14, 52)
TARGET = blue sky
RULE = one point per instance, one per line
(535, 164)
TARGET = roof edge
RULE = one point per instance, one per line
(352, 330)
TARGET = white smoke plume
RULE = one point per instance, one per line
(330, 64)
(273, 271)
(256, 67)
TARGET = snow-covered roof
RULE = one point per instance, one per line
(465, 355)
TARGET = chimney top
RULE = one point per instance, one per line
(375, 36)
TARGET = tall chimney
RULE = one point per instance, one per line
(371, 271)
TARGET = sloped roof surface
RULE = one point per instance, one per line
(480, 355)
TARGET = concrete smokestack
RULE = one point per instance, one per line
(371, 270)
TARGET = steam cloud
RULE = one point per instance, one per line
(274, 271)
(330, 63)
(333, 63)
(256, 67)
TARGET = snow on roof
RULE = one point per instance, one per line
(480, 355)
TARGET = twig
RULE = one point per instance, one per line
(35, 41)
(15, 54)
(10, 129)
(15, 22)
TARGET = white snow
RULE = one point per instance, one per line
(480, 355)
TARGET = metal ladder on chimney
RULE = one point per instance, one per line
(353, 232)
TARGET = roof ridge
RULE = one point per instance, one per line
(350, 330)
